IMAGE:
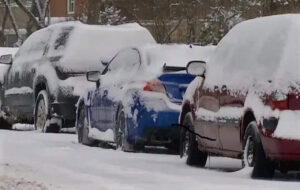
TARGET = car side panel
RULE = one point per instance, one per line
(207, 101)
(230, 128)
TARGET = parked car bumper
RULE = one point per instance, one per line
(276, 148)
(65, 109)
(152, 127)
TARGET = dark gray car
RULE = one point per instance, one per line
(47, 75)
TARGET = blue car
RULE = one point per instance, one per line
(138, 97)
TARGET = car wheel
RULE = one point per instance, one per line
(41, 114)
(41, 111)
(254, 155)
(189, 145)
(83, 130)
(121, 134)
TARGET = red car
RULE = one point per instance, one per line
(245, 102)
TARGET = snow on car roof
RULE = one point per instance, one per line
(90, 44)
(262, 49)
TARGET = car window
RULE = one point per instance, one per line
(62, 38)
(126, 61)
(35, 45)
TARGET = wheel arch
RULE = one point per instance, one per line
(40, 84)
(248, 117)
(186, 108)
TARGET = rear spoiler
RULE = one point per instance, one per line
(172, 68)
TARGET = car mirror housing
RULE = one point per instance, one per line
(196, 68)
(93, 76)
(6, 59)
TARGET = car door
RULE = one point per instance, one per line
(107, 98)
(19, 94)
(232, 105)
(206, 105)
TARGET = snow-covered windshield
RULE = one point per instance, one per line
(259, 50)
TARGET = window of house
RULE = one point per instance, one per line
(71, 6)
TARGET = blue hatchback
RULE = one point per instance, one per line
(138, 97)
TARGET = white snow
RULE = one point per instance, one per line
(262, 49)
(288, 126)
(23, 127)
(58, 162)
(22, 90)
(225, 112)
(88, 45)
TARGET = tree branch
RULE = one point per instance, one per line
(29, 14)
(12, 18)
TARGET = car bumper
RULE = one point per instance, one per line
(278, 148)
(150, 126)
(66, 111)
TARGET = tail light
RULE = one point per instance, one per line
(279, 101)
(155, 86)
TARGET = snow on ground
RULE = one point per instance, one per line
(32, 160)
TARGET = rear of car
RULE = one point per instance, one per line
(157, 106)
(259, 59)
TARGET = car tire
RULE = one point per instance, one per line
(121, 134)
(41, 111)
(41, 114)
(83, 129)
(189, 146)
(254, 156)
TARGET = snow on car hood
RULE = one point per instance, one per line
(263, 49)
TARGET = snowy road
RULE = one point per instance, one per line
(35, 161)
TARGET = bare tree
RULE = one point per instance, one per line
(13, 20)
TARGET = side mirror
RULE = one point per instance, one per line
(93, 76)
(196, 68)
(6, 59)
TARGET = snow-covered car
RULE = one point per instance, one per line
(47, 74)
(245, 103)
(138, 97)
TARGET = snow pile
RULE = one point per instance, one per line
(87, 45)
(7, 183)
(4, 68)
(22, 90)
(23, 127)
(262, 49)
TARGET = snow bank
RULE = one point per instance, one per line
(23, 127)
(262, 49)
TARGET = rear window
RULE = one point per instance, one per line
(62, 38)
